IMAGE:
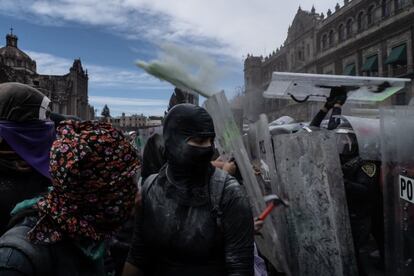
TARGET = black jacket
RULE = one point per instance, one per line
(15, 187)
(183, 238)
(361, 179)
(18, 256)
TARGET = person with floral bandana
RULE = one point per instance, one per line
(64, 232)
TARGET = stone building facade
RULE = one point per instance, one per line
(129, 122)
(68, 93)
(361, 37)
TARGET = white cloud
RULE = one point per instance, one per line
(232, 27)
(99, 76)
(109, 77)
(227, 29)
(48, 64)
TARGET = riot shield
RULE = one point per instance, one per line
(316, 237)
(285, 129)
(397, 145)
(264, 159)
(367, 134)
(230, 141)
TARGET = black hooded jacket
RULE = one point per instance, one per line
(177, 231)
(153, 156)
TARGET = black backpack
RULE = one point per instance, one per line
(62, 258)
(216, 192)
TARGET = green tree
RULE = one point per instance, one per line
(105, 112)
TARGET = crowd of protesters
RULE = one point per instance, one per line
(75, 199)
(69, 193)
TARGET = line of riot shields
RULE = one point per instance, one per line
(312, 236)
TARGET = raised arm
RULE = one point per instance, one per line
(238, 230)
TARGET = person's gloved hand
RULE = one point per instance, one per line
(337, 96)
(340, 99)
(329, 104)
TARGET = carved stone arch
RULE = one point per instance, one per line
(371, 13)
(324, 40)
(331, 37)
(349, 27)
(385, 8)
(361, 20)
(341, 31)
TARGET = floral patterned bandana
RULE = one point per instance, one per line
(92, 166)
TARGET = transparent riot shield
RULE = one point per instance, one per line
(230, 142)
(316, 236)
(397, 146)
(367, 133)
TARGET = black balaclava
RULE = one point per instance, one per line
(188, 164)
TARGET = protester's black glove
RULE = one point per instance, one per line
(341, 99)
(337, 96)
(330, 102)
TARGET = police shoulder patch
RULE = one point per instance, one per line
(369, 169)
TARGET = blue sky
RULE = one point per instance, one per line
(109, 36)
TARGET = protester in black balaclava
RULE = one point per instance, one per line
(153, 155)
(187, 162)
(26, 135)
(188, 225)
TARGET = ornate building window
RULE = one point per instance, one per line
(349, 28)
(331, 38)
(385, 8)
(370, 15)
(324, 41)
(397, 5)
(300, 55)
(360, 21)
(341, 36)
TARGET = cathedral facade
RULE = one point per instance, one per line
(68, 93)
(361, 37)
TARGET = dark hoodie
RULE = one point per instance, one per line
(176, 232)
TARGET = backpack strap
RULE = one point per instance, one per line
(148, 183)
(38, 255)
(216, 189)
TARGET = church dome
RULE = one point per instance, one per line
(12, 56)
